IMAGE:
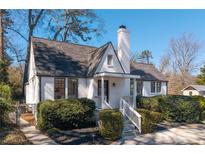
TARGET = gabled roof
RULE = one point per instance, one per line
(147, 72)
(196, 87)
(53, 58)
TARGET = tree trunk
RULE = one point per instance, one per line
(1, 35)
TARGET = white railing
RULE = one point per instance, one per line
(103, 105)
(106, 105)
(128, 111)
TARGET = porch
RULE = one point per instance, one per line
(111, 87)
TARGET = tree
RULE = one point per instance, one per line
(164, 66)
(5, 23)
(73, 25)
(201, 77)
(143, 57)
(184, 51)
(179, 62)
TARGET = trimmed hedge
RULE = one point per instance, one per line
(149, 120)
(201, 101)
(173, 107)
(5, 108)
(110, 124)
(65, 114)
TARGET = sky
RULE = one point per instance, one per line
(152, 29)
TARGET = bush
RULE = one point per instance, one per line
(173, 107)
(5, 92)
(52, 131)
(149, 103)
(202, 116)
(5, 108)
(110, 124)
(180, 108)
(65, 114)
(149, 120)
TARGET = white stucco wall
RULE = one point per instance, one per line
(47, 88)
(82, 88)
(103, 67)
(146, 90)
(194, 92)
(120, 89)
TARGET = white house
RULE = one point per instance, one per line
(194, 90)
(59, 70)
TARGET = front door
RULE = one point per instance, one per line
(106, 89)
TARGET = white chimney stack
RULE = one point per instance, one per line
(124, 47)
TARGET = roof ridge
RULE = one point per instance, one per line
(142, 63)
(63, 42)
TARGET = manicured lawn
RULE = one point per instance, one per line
(11, 134)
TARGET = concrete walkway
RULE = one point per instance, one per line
(31, 133)
(184, 134)
(34, 135)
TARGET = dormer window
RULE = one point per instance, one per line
(109, 60)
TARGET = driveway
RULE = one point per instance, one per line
(183, 134)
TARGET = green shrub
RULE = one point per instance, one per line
(173, 107)
(180, 108)
(65, 114)
(149, 120)
(201, 101)
(5, 92)
(202, 116)
(52, 131)
(110, 124)
(149, 103)
(5, 108)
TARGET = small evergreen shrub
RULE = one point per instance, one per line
(149, 120)
(5, 108)
(173, 107)
(110, 124)
(65, 114)
(149, 103)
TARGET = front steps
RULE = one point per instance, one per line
(129, 130)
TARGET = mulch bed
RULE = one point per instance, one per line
(85, 136)
(10, 134)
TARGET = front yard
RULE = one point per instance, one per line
(172, 134)
(85, 136)
(11, 134)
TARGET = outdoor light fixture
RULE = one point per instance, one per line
(113, 84)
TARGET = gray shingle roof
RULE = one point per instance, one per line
(54, 58)
(197, 87)
(147, 72)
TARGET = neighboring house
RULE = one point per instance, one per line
(194, 90)
(58, 70)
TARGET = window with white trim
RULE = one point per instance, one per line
(155, 86)
(72, 88)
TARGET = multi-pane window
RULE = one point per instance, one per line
(155, 86)
(109, 60)
(72, 88)
(158, 86)
(59, 88)
(131, 87)
(139, 88)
